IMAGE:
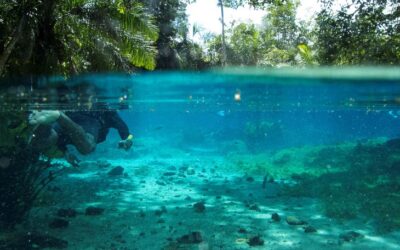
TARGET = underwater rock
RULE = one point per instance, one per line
(275, 217)
(249, 179)
(142, 214)
(255, 207)
(116, 171)
(34, 241)
(91, 211)
(103, 164)
(66, 212)
(191, 238)
(199, 207)
(183, 168)
(161, 183)
(310, 229)
(171, 168)
(119, 238)
(255, 241)
(59, 223)
(160, 211)
(393, 143)
(294, 221)
(350, 236)
(169, 174)
(190, 171)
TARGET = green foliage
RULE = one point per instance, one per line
(245, 43)
(280, 25)
(368, 33)
(175, 49)
(361, 32)
(274, 44)
(306, 54)
(260, 4)
(275, 57)
(75, 36)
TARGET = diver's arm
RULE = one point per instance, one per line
(84, 142)
(116, 122)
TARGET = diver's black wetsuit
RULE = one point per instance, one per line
(97, 123)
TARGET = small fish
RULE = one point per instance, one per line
(221, 113)
(158, 128)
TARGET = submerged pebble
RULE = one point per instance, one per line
(160, 211)
(59, 223)
(161, 183)
(294, 221)
(250, 179)
(35, 241)
(255, 207)
(117, 171)
(255, 241)
(190, 171)
(183, 168)
(169, 174)
(275, 217)
(350, 236)
(310, 229)
(94, 211)
(171, 168)
(199, 207)
(103, 164)
(191, 238)
(67, 212)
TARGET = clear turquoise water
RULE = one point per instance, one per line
(239, 140)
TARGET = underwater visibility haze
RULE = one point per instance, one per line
(233, 159)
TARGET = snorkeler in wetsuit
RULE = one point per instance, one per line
(54, 130)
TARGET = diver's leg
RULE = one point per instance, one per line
(84, 142)
(44, 137)
(45, 117)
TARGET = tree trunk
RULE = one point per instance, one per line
(223, 62)
(11, 44)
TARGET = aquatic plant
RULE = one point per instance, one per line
(290, 162)
(21, 184)
(260, 134)
(367, 186)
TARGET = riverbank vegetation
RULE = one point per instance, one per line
(78, 36)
